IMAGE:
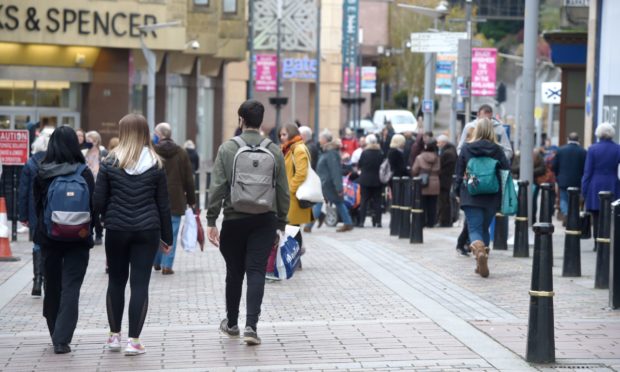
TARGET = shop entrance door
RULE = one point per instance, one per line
(16, 118)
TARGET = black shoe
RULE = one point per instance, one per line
(230, 331)
(98, 241)
(250, 337)
(462, 251)
(61, 349)
(36, 285)
(321, 220)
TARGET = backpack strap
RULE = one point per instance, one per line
(265, 143)
(80, 169)
(239, 141)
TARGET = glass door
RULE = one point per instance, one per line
(11, 119)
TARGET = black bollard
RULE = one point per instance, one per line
(546, 202)
(207, 186)
(614, 268)
(405, 217)
(601, 279)
(522, 245)
(540, 332)
(572, 239)
(500, 237)
(395, 208)
(417, 214)
(197, 188)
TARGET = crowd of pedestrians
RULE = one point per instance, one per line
(73, 188)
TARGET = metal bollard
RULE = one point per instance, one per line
(522, 245)
(207, 186)
(500, 237)
(546, 203)
(540, 332)
(417, 214)
(601, 279)
(614, 268)
(405, 217)
(572, 239)
(395, 209)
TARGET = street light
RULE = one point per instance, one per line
(151, 63)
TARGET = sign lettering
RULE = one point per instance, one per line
(14, 147)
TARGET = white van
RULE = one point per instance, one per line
(402, 120)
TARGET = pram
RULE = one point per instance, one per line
(352, 199)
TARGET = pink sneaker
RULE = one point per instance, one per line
(134, 347)
(114, 342)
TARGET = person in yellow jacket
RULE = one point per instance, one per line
(296, 161)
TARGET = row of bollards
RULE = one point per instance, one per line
(406, 214)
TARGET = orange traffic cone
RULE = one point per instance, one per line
(5, 246)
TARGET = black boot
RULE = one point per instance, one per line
(37, 282)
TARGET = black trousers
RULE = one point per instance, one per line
(127, 250)
(97, 227)
(463, 239)
(245, 245)
(64, 270)
(429, 205)
(444, 209)
(371, 199)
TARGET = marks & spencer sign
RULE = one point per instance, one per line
(91, 23)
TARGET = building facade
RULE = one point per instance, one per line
(80, 63)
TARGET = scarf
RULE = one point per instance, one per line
(286, 147)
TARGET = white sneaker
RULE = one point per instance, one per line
(134, 347)
(21, 229)
(114, 342)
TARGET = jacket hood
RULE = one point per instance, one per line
(51, 170)
(428, 158)
(167, 149)
(482, 148)
(146, 162)
(333, 145)
(374, 146)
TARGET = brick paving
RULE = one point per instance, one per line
(341, 312)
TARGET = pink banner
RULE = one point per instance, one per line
(266, 73)
(483, 71)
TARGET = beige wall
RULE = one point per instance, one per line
(331, 66)
(373, 20)
(235, 89)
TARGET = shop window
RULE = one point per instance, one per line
(53, 93)
(230, 6)
(17, 93)
(201, 3)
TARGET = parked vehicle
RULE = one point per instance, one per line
(402, 120)
(365, 127)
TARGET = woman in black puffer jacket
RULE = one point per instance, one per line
(132, 196)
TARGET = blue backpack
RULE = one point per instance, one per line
(67, 209)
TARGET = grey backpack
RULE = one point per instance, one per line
(253, 188)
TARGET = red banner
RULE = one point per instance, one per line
(14, 147)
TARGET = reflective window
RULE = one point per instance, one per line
(17, 93)
(201, 2)
(230, 6)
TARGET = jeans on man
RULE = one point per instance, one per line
(166, 260)
(564, 201)
(478, 222)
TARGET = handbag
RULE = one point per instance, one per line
(585, 221)
(510, 202)
(424, 179)
(288, 254)
(310, 191)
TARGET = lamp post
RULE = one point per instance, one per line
(151, 63)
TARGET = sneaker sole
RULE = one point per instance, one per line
(231, 335)
(114, 349)
(134, 353)
(252, 341)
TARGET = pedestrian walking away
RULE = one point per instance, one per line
(478, 182)
(132, 197)
(369, 164)
(63, 184)
(181, 189)
(250, 221)
(568, 166)
(447, 159)
(427, 166)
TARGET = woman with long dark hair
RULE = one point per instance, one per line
(132, 198)
(64, 259)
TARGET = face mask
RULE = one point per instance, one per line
(88, 145)
(155, 139)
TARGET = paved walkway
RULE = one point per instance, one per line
(364, 301)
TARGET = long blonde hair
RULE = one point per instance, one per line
(134, 135)
(484, 131)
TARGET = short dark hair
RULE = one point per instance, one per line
(487, 109)
(252, 113)
(573, 136)
(429, 133)
(63, 147)
(431, 145)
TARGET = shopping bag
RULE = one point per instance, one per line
(189, 233)
(352, 193)
(510, 202)
(288, 254)
(200, 231)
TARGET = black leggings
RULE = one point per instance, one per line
(125, 249)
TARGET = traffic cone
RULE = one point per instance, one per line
(5, 245)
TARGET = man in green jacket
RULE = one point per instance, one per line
(246, 239)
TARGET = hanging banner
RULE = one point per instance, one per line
(350, 41)
(444, 72)
(483, 71)
(266, 72)
(369, 79)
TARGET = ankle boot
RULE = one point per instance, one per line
(37, 281)
(480, 252)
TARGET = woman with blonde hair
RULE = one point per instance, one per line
(131, 195)
(480, 206)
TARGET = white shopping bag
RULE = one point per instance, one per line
(189, 233)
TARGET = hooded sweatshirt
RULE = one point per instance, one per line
(479, 149)
(428, 162)
(134, 199)
(45, 175)
(500, 134)
(179, 174)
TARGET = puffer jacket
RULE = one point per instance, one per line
(27, 210)
(179, 174)
(428, 162)
(135, 199)
(330, 172)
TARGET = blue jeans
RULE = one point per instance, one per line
(167, 260)
(478, 222)
(341, 208)
(564, 201)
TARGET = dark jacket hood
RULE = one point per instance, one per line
(482, 148)
(51, 170)
(167, 149)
